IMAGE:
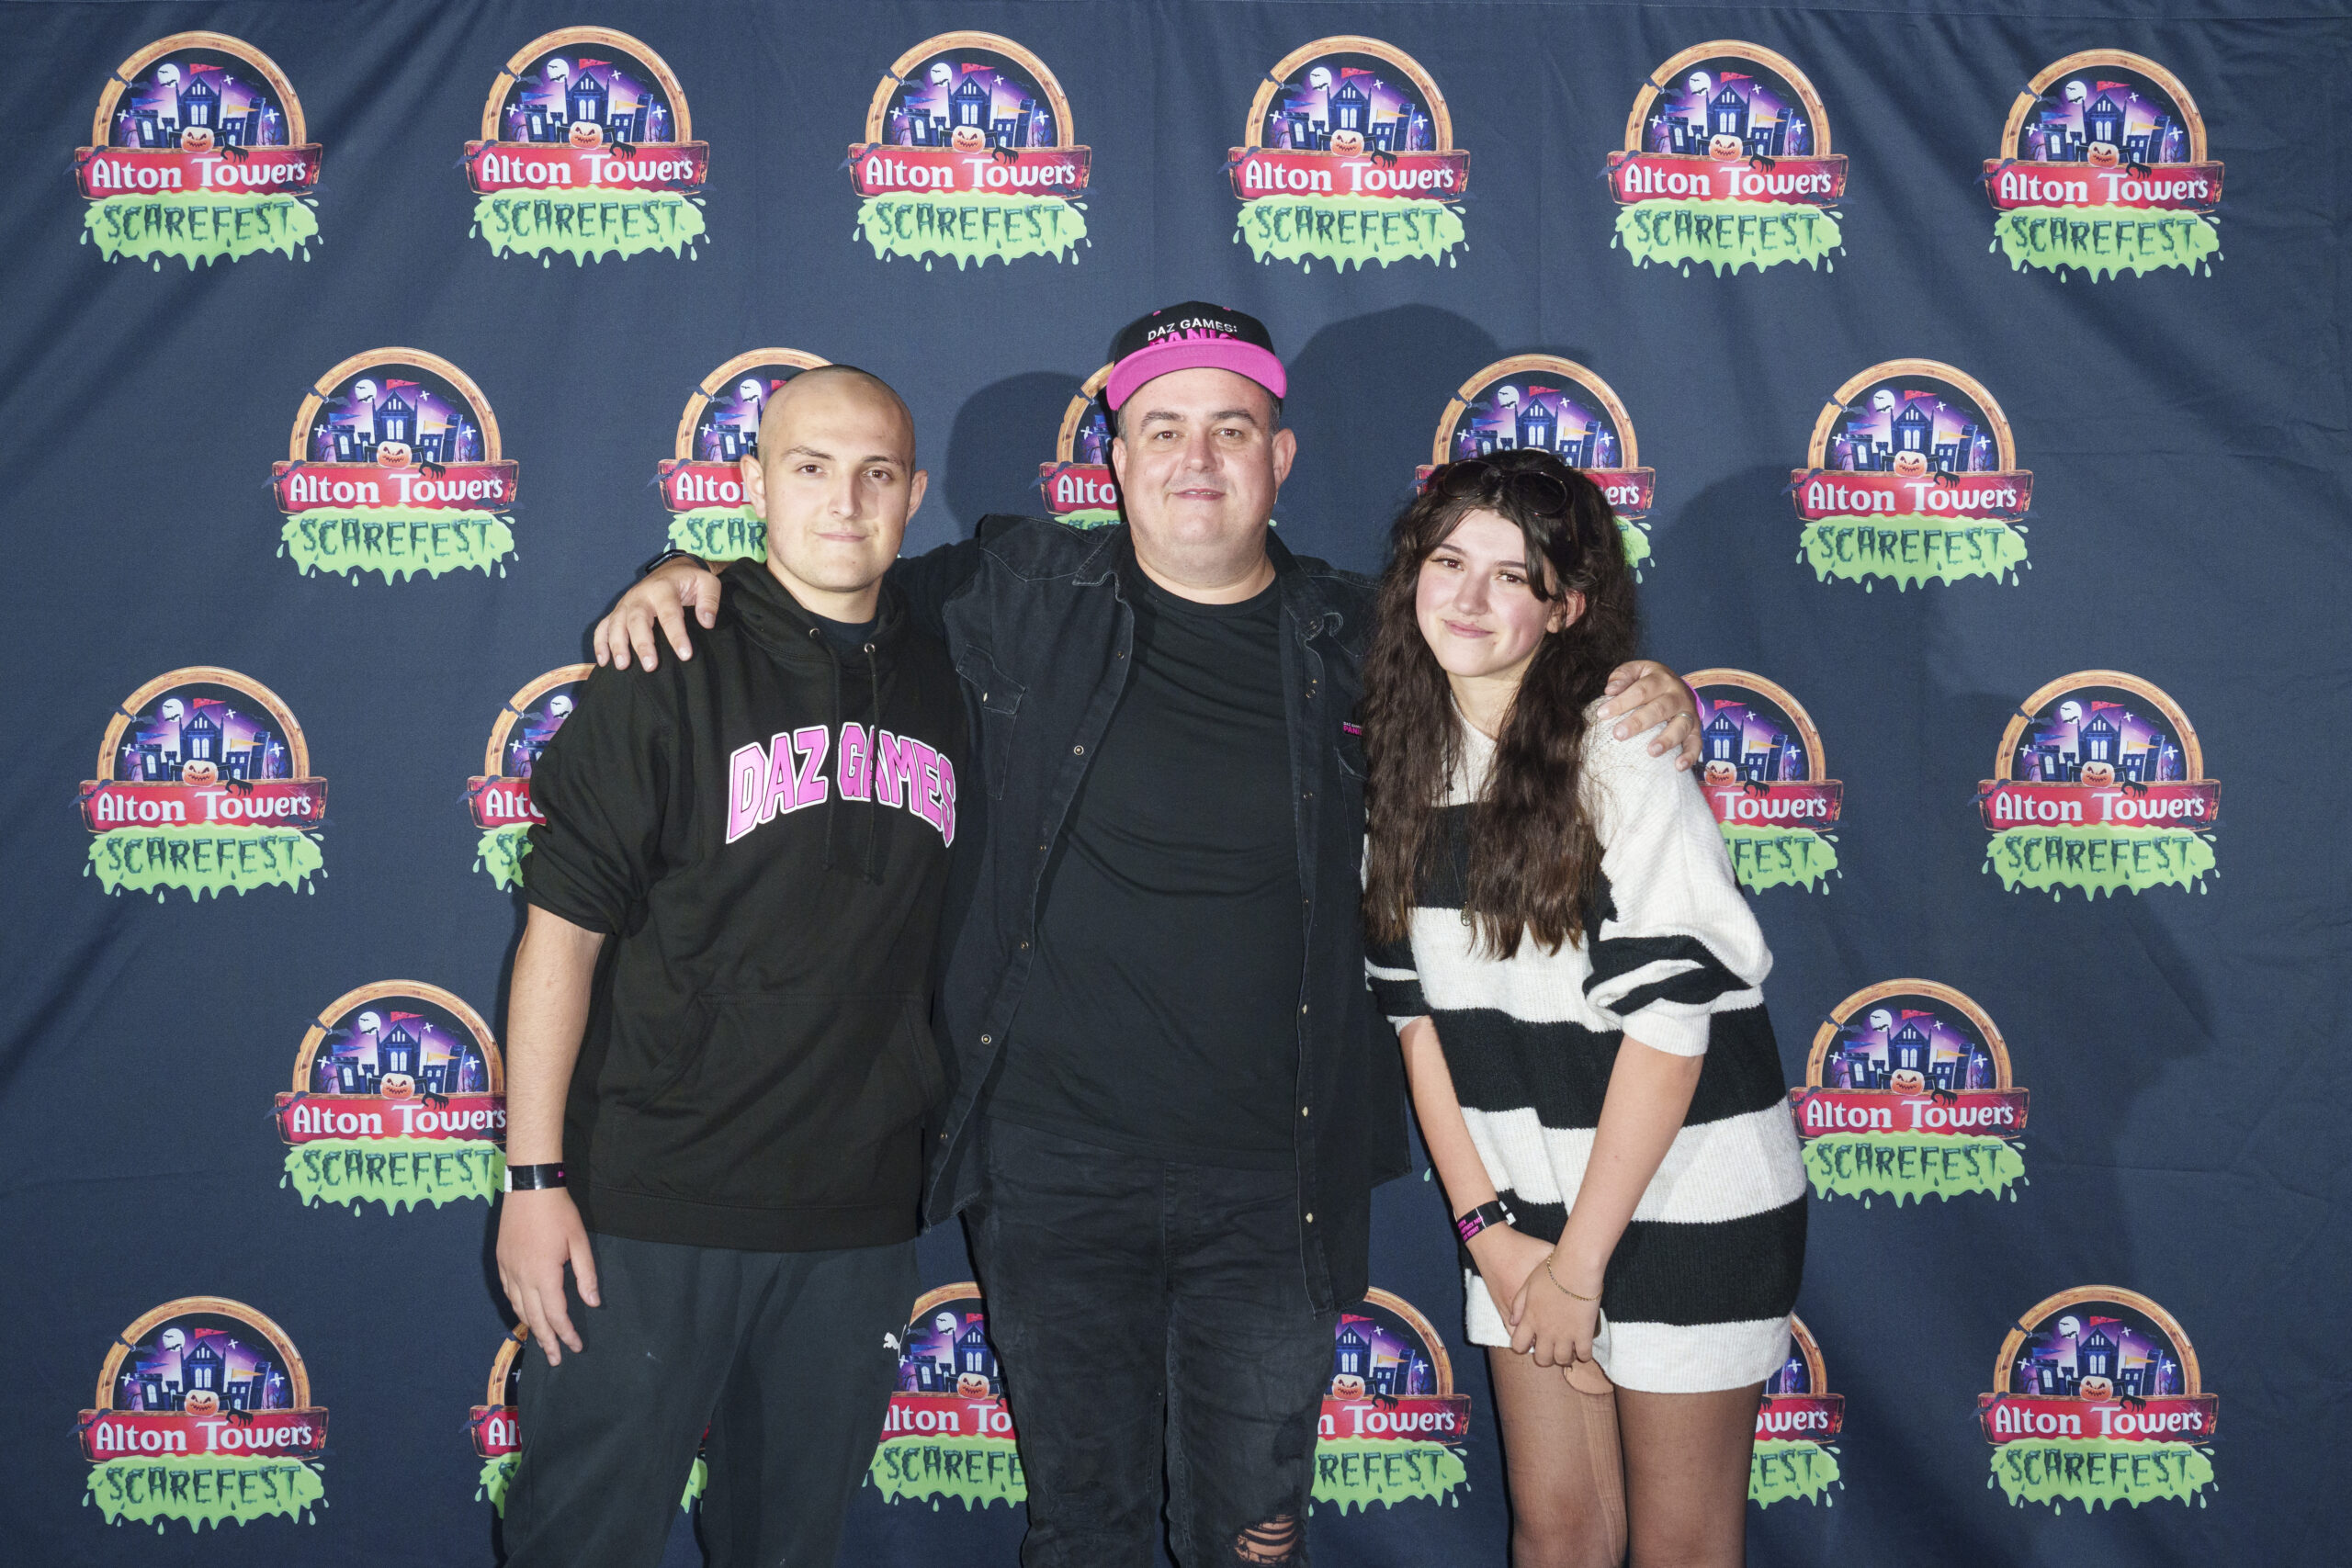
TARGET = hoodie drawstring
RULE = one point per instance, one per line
(874, 676)
(833, 796)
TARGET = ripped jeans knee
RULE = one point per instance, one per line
(1274, 1541)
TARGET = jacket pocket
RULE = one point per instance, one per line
(780, 1101)
(999, 697)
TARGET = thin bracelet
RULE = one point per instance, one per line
(1564, 1289)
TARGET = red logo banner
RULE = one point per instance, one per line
(1997, 1111)
(1814, 1417)
(472, 1118)
(501, 802)
(1416, 1417)
(2158, 187)
(1418, 177)
(687, 485)
(2009, 804)
(249, 171)
(111, 804)
(555, 166)
(875, 168)
(419, 486)
(1791, 805)
(1078, 487)
(496, 1430)
(2021, 1417)
(147, 1434)
(1669, 177)
(1832, 492)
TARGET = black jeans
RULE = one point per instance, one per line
(780, 1355)
(1151, 1315)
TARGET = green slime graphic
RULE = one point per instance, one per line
(1356, 1473)
(203, 1489)
(1784, 1468)
(2098, 859)
(969, 226)
(498, 1474)
(2098, 1471)
(396, 1172)
(499, 852)
(203, 860)
(1778, 857)
(719, 533)
(590, 223)
(1349, 231)
(1089, 517)
(1637, 542)
(395, 542)
(2106, 241)
(975, 1471)
(1914, 1165)
(198, 226)
(1912, 549)
(1728, 235)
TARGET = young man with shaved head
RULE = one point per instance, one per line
(718, 1049)
(1174, 1092)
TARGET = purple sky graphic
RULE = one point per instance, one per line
(1950, 1037)
(1760, 724)
(1305, 95)
(2064, 1336)
(178, 726)
(738, 407)
(931, 86)
(547, 85)
(537, 727)
(1871, 421)
(2074, 107)
(1499, 408)
(160, 88)
(357, 1034)
(1686, 98)
(372, 402)
(164, 1350)
(2061, 725)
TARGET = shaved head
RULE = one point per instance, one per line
(828, 383)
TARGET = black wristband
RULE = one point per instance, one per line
(1493, 1211)
(670, 554)
(533, 1177)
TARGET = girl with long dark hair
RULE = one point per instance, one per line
(1573, 973)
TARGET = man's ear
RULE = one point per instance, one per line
(1285, 453)
(915, 487)
(1119, 460)
(1565, 612)
(755, 485)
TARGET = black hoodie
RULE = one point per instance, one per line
(763, 831)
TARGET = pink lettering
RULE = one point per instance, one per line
(946, 818)
(850, 762)
(780, 794)
(747, 783)
(810, 787)
(893, 768)
(923, 799)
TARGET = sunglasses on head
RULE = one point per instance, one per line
(1478, 478)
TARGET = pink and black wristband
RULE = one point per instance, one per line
(1494, 1211)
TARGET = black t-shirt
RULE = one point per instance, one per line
(1162, 1016)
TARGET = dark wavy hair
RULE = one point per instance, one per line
(1535, 857)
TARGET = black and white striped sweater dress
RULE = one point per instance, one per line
(1698, 1293)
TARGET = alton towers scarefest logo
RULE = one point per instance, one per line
(500, 796)
(2099, 785)
(702, 479)
(1912, 475)
(1349, 157)
(203, 785)
(1392, 1428)
(203, 1415)
(2096, 1397)
(587, 149)
(1727, 163)
(496, 1427)
(1765, 778)
(198, 151)
(969, 154)
(394, 466)
(2103, 171)
(1797, 1427)
(1079, 486)
(1543, 403)
(399, 1098)
(1907, 1094)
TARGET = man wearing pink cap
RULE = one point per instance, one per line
(1174, 1094)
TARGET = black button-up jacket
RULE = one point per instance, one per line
(1040, 633)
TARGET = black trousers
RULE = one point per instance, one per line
(780, 1355)
(1152, 1317)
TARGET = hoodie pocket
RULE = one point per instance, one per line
(999, 696)
(782, 1101)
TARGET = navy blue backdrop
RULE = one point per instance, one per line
(2185, 428)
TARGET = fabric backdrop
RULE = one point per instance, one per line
(325, 444)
